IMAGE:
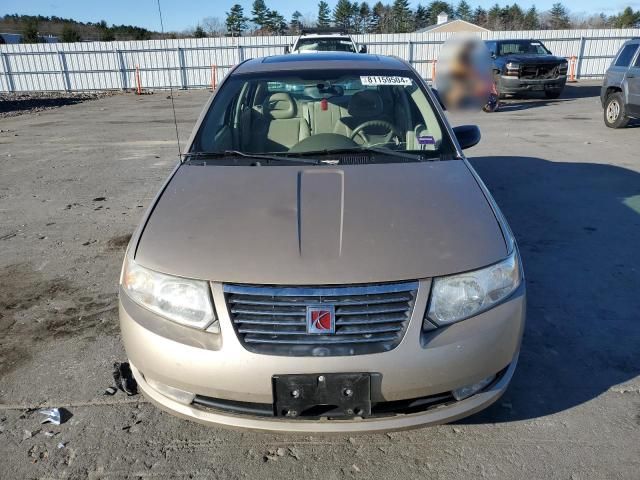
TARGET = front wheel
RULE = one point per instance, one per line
(615, 115)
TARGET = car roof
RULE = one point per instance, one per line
(506, 40)
(325, 35)
(324, 60)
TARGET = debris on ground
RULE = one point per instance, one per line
(123, 377)
(56, 416)
(110, 391)
(62, 445)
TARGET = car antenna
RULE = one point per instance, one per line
(166, 61)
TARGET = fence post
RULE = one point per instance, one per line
(183, 72)
(580, 55)
(7, 72)
(66, 81)
(121, 69)
(240, 52)
(410, 52)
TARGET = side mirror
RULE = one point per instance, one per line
(467, 135)
(362, 49)
(493, 55)
(437, 95)
(287, 49)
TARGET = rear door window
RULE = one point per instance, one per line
(637, 62)
(626, 55)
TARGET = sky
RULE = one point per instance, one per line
(181, 15)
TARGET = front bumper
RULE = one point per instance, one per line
(220, 367)
(514, 85)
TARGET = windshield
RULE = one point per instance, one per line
(523, 47)
(319, 111)
(327, 44)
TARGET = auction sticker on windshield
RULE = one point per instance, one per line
(375, 80)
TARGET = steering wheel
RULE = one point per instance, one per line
(359, 130)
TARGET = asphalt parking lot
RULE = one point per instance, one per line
(74, 183)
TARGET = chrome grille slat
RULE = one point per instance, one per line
(320, 341)
(339, 331)
(337, 301)
(368, 318)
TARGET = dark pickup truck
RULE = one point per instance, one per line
(522, 66)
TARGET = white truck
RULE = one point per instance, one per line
(327, 41)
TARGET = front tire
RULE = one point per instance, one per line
(615, 114)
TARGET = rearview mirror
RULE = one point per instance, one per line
(362, 49)
(467, 135)
(287, 49)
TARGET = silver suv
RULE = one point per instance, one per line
(620, 95)
(324, 41)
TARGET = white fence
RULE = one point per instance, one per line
(191, 63)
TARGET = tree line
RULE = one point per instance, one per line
(351, 17)
(399, 17)
(34, 27)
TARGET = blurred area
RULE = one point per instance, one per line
(463, 78)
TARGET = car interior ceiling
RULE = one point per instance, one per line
(263, 119)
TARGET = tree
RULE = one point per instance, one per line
(260, 13)
(402, 16)
(275, 23)
(70, 34)
(513, 17)
(559, 17)
(480, 17)
(343, 15)
(213, 26)
(531, 19)
(199, 32)
(436, 7)
(628, 18)
(104, 32)
(494, 18)
(364, 18)
(421, 17)
(30, 31)
(382, 18)
(324, 14)
(236, 21)
(296, 24)
(463, 11)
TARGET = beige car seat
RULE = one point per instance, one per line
(282, 127)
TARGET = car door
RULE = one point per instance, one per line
(633, 85)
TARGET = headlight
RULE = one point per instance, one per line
(563, 67)
(457, 297)
(181, 300)
(513, 66)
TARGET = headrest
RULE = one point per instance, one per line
(280, 106)
(366, 104)
(321, 91)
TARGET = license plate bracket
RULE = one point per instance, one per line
(333, 395)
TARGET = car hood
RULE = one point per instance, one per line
(537, 59)
(321, 225)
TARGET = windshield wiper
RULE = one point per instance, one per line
(382, 151)
(255, 156)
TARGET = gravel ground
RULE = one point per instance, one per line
(75, 182)
(13, 104)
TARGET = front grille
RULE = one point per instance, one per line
(272, 320)
(538, 71)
